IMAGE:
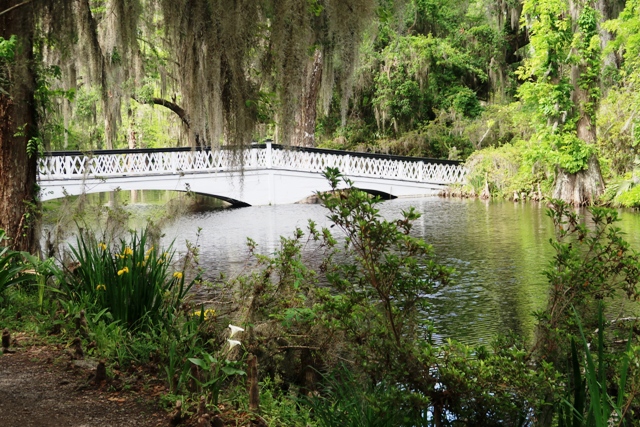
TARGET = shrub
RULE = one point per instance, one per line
(593, 267)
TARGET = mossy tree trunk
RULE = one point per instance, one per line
(306, 128)
(582, 188)
(586, 185)
(17, 127)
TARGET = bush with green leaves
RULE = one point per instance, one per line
(134, 282)
(593, 263)
(593, 267)
(378, 303)
(624, 190)
(379, 296)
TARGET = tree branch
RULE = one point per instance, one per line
(168, 104)
(15, 7)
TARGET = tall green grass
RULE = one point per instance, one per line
(135, 282)
(593, 405)
(13, 267)
(344, 401)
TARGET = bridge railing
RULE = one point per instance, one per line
(116, 163)
(406, 169)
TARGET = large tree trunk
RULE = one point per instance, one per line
(586, 186)
(582, 188)
(306, 126)
(609, 9)
(17, 127)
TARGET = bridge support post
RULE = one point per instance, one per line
(268, 156)
(174, 162)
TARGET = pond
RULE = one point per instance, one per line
(499, 250)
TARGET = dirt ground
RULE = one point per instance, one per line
(40, 386)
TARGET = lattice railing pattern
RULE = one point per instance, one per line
(110, 165)
(369, 167)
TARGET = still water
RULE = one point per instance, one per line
(498, 249)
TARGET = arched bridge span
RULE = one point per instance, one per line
(261, 175)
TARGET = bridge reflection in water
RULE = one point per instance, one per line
(265, 174)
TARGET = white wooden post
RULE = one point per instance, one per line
(174, 162)
(269, 159)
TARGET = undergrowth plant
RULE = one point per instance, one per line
(345, 402)
(593, 263)
(603, 388)
(214, 370)
(593, 267)
(14, 268)
(136, 283)
(380, 293)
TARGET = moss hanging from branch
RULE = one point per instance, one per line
(225, 56)
(230, 51)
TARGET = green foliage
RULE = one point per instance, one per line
(214, 371)
(492, 385)
(592, 387)
(593, 266)
(280, 408)
(520, 168)
(372, 313)
(548, 102)
(624, 191)
(557, 144)
(618, 124)
(561, 47)
(381, 304)
(7, 57)
(278, 303)
(419, 74)
(49, 94)
(565, 150)
(609, 265)
(550, 32)
(426, 59)
(8, 49)
(345, 402)
(14, 268)
(466, 103)
(134, 283)
(593, 263)
(495, 168)
(619, 130)
(627, 40)
(629, 198)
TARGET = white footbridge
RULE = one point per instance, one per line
(265, 174)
